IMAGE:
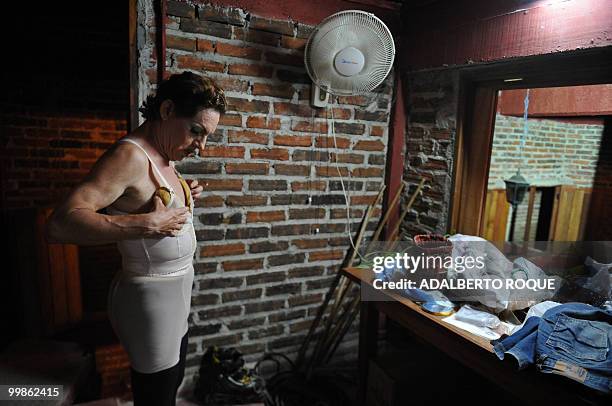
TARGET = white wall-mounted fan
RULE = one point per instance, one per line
(348, 53)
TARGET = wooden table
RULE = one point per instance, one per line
(468, 349)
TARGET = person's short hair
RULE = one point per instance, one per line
(189, 92)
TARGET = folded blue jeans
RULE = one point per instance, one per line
(573, 340)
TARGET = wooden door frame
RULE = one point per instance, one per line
(478, 89)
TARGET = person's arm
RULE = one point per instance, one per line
(76, 220)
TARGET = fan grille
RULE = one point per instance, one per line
(358, 29)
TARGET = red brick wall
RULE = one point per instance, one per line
(272, 223)
(554, 153)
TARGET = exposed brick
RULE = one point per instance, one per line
(264, 89)
(328, 142)
(220, 312)
(232, 16)
(209, 235)
(247, 168)
(305, 299)
(377, 131)
(235, 218)
(211, 28)
(211, 219)
(319, 284)
(185, 44)
(331, 171)
(343, 241)
(293, 140)
(278, 260)
(310, 155)
(312, 243)
(284, 58)
(283, 289)
(335, 185)
(380, 116)
(291, 109)
(292, 42)
(189, 62)
(311, 213)
(325, 255)
(340, 113)
(266, 306)
(300, 326)
(238, 51)
(222, 184)
(245, 323)
(220, 283)
(246, 233)
(375, 186)
(328, 199)
(347, 158)
(204, 330)
(360, 200)
(267, 246)
(369, 145)
(259, 37)
(243, 294)
(246, 136)
(263, 122)
(349, 128)
(293, 229)
(246, 200)
(278, 154)
(436, 164)
(288, 199)
(204, 45)
(265, 216)
(244, 105)
(314, 185)
(267, 184)
(266, 277)
(306, 272)
(291, 170)
(222, 151)
(286, 315)
(232, 84)
(308, 126)
(376, 160)
(202, 268)
(222, 250)
(275, 26)
(266, 332)
(212, 201)
(243, 264)
(354, 100)
(180, 9)
(203, 300)
(367, 172)
(198, 167)
(234, 120)
(250, 70)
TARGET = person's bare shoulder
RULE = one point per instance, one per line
(120, 167)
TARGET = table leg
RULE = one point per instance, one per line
(368, 343)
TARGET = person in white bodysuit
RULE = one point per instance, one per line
(150, 217)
